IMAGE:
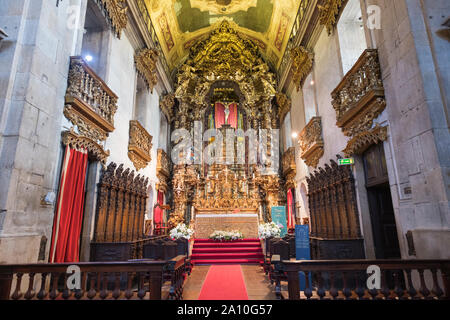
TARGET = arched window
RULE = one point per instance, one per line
(352, 38)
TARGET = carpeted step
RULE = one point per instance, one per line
(228, 250)
(227, 261)
(226, 244)
(240, 240)
(217, 256)
(210, 252)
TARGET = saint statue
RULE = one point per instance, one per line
(227, 113)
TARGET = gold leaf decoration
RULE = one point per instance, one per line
(145, 60)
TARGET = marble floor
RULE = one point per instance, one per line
(257, 283)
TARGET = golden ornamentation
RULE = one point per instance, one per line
(289, 167)
(90, 106)
(362, 141)
(139, 145)
(145, 60)
(225, 56)
(117, 13)
(284, 106)
(302, 63)
(311, 142)
(162, 171)
(359, 99)
(329, 13)
(78, 142)
(167, 105)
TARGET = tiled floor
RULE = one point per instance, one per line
(257, 283)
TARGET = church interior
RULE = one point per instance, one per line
(224, 150)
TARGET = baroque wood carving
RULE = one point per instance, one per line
(223, 56)
(121, 205)
(117, 14)
(284, 105)
(90, 106)
(330, 12)
(311, 142)
(358, 100)
(139, 145)
(145, 60)
(163, 171)
(77, 142)
(332, 203)
(167, 106)
(289, 168)
(302, 63)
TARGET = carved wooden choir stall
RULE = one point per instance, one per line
(335, 230)
(122, 201)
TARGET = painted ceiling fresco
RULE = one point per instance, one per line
(181, 23)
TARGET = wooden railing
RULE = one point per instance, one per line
(347, 279)
(135, 279)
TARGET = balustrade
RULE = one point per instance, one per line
(136, 280)
(347, 279)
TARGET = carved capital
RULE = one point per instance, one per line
(284, 105)
(302, 62)
(145, 60)
(329, 13)
(167, 105)
(117, 14)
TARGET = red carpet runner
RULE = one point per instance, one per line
(224, 283)
(246, 251)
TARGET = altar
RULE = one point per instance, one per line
(205, 224)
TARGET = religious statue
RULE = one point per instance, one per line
(227, 113)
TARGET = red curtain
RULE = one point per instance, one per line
(219, 113)
(290, 200)
(158, 218)
(233, 117)
(69, 211)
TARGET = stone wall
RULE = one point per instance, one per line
(34, 64)
(33, 76)
(414, 63)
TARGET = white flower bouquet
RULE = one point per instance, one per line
(268, 230)
(181, 231)
(226, 235)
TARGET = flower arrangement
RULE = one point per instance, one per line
(181, 231)
(268, 230)
(226, 235)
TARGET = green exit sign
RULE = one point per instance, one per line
(346, 162)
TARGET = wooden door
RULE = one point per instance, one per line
(380, 204)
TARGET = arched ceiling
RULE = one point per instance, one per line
(181, 23)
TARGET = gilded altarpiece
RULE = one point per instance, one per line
(225, 63)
